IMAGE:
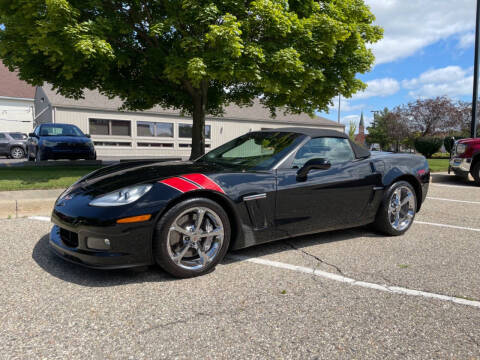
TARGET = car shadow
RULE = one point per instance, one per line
(446, 179)
(80, 275)
(301, 243)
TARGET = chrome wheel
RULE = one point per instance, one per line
(401, 208)
(17, 153)
(195, 238)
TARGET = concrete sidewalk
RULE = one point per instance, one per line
(15, 204)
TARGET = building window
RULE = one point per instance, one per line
(162, 145)
(154, 129)
(112, 143)
(110, 127)
(207, 146)
(185, 131)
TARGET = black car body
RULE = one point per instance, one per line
(13, 144)
(290, 192)
(59, 141)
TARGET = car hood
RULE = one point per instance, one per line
(125, 174)
(67, 139)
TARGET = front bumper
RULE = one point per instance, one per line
(130, 245)
(460, 165)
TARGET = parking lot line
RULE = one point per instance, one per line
(40, 218)
(454, 186)
(353, 282)
(447, 226)
(453, 200)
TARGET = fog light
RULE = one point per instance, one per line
(98, 243)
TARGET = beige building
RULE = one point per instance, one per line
(158, 131)
(16, 103)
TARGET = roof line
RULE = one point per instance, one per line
(334, 125)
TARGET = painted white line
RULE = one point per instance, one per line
(455, 186)
(40, 218)
(452, 200)
(353, 282)
(446, 226)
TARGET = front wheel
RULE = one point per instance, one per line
(191, 238)
(398, 209)
(476, 173)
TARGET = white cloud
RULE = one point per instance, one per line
(378, 87)
(410, 25)
(452, 81)
(466, 40)
(346, 105)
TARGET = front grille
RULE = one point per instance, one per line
(69, 238)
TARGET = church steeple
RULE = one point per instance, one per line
(362, 123)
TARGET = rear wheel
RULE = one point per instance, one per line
(191, 238)
(476, 173)
(398, 209)
(17, 153)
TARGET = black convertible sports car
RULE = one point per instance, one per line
(260, 187)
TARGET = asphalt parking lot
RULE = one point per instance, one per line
(344, 294)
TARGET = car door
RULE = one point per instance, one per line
(326, 199)
(32, 142)
(4, 140)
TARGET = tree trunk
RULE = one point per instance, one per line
(199, 99)
(198, 129)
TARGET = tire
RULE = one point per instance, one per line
(187, 245)
(476, 173)
(17, 152)
(387, 221)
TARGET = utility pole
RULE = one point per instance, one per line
(473, 132)
(339, 106)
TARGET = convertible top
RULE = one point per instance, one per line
(360, 151)
(312, 132)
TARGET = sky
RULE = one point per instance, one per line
(427, 51)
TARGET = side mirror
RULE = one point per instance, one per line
(88, 136)
(32, 135)
(319, 164)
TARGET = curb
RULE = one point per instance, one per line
(13, 209)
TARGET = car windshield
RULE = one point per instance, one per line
(60, 130)
(18, 136)
(256, 150)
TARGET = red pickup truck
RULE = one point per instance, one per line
(465, 159)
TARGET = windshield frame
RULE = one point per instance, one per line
(287, 151)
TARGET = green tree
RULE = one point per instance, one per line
(352, 130)
(378, 132)
(193, 55)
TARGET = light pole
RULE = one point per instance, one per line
(473, 131)
(339, 105)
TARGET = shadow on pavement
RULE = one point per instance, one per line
(446, 179)
(79, 275)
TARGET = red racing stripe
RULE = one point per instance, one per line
(204, 181)
(180, 184)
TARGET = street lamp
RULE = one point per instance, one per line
(473, 131)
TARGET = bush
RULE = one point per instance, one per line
(427, 146)
(449, 141)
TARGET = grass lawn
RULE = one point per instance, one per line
(437, 165)
(48, 177)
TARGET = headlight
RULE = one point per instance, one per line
(48, 143)
(122, 197)
(461, 148)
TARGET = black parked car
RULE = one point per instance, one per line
(59, 141)
(260, 187)
(13, 144)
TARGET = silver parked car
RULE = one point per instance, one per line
(13, 144)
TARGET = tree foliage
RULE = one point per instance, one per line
(427, 146)
(193, 55)
(352, 130)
